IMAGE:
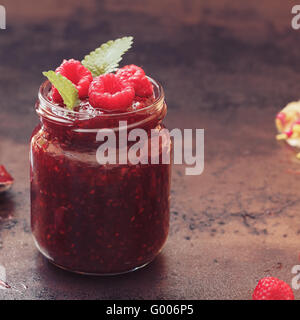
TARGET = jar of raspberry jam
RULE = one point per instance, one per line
(92, 218)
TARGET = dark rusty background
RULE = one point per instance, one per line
(226, 66)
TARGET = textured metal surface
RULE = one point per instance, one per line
(227, 67)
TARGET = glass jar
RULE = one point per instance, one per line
(96, 218)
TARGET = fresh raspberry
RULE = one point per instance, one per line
(270, 288)
(137, 77)
(108, 92)
(78, 74)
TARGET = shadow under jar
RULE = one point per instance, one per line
(92, 218)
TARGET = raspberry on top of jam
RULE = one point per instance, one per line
(128, 89)
(80, 76)
(110, 93)
(137, 78)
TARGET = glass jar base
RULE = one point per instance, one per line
(90, 273)
(100, 274)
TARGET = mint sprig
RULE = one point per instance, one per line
(106, 58)
(65, 87)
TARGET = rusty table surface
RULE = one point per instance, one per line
(227, 67)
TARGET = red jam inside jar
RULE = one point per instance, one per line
(92, 218)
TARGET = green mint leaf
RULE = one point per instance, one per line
(65, 87)
(106, 58)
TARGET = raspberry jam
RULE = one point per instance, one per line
(91, 218)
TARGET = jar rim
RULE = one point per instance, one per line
(47, 108)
